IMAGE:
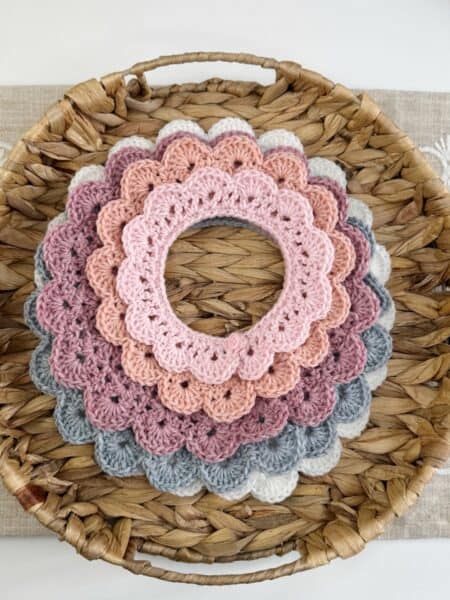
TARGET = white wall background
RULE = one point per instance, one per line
(402, 44)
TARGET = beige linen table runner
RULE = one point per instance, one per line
(426, 119)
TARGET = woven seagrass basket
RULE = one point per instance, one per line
(221, 279)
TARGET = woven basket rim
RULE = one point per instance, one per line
(17, 476)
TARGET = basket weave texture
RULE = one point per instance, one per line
(221, 279)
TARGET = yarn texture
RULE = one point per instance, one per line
(209, 360)
(240, 414)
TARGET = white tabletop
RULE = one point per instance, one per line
(390, 44)
(402, 570)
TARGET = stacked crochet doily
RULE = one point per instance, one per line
(239, 414)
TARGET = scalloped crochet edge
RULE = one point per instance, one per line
(257, 488)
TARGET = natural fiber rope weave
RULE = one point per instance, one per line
(380, 474)
(223, 279)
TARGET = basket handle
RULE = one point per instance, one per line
(287, 69)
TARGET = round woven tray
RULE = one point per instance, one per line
(221, 279)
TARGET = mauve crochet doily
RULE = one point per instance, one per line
(340, 347)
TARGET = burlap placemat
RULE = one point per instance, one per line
(426, 119)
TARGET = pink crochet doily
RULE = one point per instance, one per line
(250, 196)
(267, 374)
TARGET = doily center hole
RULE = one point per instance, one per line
(223, 276)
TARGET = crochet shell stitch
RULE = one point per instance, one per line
(242, 414)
